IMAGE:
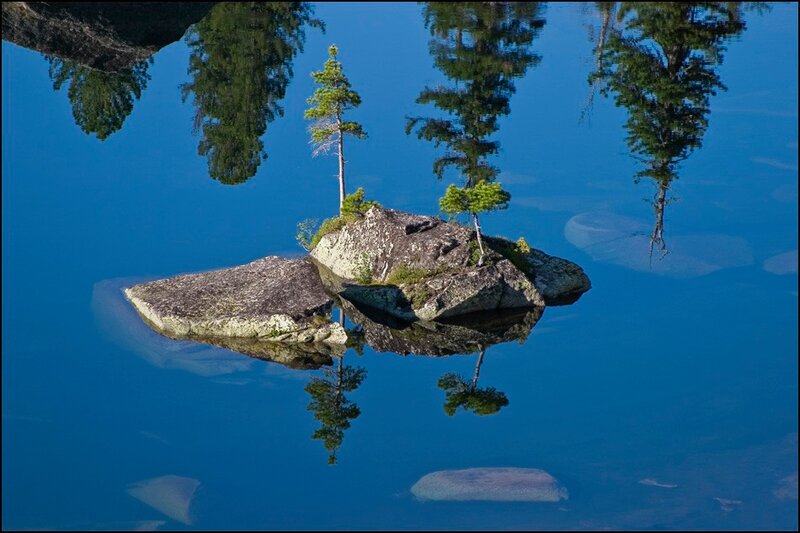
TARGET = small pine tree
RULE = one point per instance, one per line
(483, 197)
(354, 204)
(482, 47)
(328, 103)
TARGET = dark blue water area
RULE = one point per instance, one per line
(664, 398)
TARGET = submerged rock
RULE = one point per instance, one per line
(421, 268)
(785, 263)
(108, 36)
(787, 488)
(650, 482)
(621, 240)
(271, 299)
(171, 495)
(490, 484)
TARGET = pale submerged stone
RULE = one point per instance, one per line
(490, 484)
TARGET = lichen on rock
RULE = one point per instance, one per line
(421, 268)
(272, 298)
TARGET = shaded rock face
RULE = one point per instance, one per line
(490, 484)
(559, 281)
(276, 299)
(108, 36)
(451, 294)
(386, 241)
(470, 334)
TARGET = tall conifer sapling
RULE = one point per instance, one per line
(328, 103)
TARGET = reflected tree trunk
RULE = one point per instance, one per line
(477, 373)
(659, 204)
(607, 10)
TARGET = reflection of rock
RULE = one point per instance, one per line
(171, 495)
(119, 320)
(624, 241)
(787, 488)
(271, 298)
(490, 484)
(427, 263)
(785, 263)
(110, 36)
(469, 334)
(308, 355)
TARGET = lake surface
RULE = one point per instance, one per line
(664, 398)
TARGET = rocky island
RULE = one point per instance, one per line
(417, 272)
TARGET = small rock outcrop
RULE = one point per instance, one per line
(422, 268)
(559, 281)
(108, 36)
(418, 291)
(272, 298)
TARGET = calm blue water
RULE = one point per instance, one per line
(684, 372)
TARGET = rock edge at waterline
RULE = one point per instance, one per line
(271, 298)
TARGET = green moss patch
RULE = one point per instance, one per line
(516, 252)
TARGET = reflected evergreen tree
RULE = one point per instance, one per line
(607, 14)
(101, 101)
(482, 47)
(661, 65)
(466, 394)
(240, 65)
(331, 407)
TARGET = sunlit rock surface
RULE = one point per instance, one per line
(385, 241)
(490, 484)
(109, 36)
(171, 495)
(119, 321)
(625, 241)
(274, 299)
(470, 334)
